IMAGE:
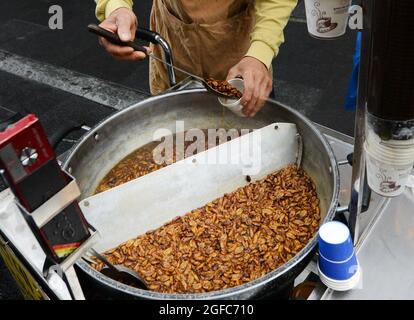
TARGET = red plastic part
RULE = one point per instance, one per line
(27, 133)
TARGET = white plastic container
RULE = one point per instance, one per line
(233, 104)
(327, 18)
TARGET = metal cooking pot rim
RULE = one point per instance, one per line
(224, 292)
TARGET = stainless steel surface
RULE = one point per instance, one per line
(74, 284)
(342, 145)
(168, 57)
(386, 254)
(133, 127)
(385, 245)
(12, 162)
(187, 84)
(56, 204)
(80, 251)
(342, 209)
(27, 250)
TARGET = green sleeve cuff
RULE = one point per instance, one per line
(112, 5)
(262, 52)
(105, 7)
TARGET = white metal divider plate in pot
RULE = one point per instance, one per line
(148, 202)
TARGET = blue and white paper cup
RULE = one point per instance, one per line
(337, 263)
(339, 271)
(335, 243)
(342, 285)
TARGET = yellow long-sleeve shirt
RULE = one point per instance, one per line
(266, 37)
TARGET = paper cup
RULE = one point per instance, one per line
(391, 157)
(344, 285)
(233, 104)
(390, 151)
(334, 241)
(386, 176)
(338, 271)
(397, 154)
(327, 18)
(403, 146)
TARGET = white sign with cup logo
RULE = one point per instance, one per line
(327, 18)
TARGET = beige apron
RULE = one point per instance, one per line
(207, 37)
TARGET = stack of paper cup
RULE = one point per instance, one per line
(234, 104)
(337, 264)
(389, 164)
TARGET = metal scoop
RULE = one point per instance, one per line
(114, 38)
(120, 273)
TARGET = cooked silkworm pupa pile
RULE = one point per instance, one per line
(224, 87)
(231, 240)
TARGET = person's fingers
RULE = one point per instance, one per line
(126, 26)
(247, 92)
(233, 73)
(148, 49)
(251, 107)
(255, 97)
(259, 96)
(123, 22)
(109, 24)
(260, 101)
(114, 49)
(122, 53)
(265, 89)
(134, 56)
(138, 55)
(249, 101)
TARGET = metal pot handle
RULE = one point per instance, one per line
(63, 131)
(155, 38)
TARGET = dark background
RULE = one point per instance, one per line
(309, 75)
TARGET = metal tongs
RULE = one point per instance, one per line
(114, 38)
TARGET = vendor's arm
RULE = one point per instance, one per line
(266, 37)
(117, 16)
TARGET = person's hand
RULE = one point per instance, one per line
(123, 22)
(257, 83)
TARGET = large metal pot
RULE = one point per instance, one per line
(114, 138)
